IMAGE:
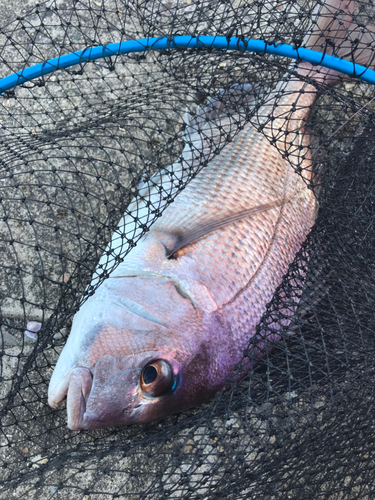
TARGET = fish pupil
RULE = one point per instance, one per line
(149, 375)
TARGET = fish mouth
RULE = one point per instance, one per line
(76, 386)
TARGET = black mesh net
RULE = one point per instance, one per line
(295, 418)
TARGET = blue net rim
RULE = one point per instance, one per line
(202, 42)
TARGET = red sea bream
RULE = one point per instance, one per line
(165, 330)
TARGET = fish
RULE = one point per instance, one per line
(165, 329)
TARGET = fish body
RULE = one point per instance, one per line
(166, 328)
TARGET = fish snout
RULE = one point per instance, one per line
(99, 399)
(114, 393)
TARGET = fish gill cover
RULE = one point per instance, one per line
(296, 418)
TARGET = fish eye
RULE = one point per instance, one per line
(157, 378)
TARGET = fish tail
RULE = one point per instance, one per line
(333, 31)
(336, 33)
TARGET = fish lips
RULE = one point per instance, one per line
(111, 394)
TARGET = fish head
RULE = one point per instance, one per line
(128, 369)
(136, 388)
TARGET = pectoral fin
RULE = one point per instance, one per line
(185, 238)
